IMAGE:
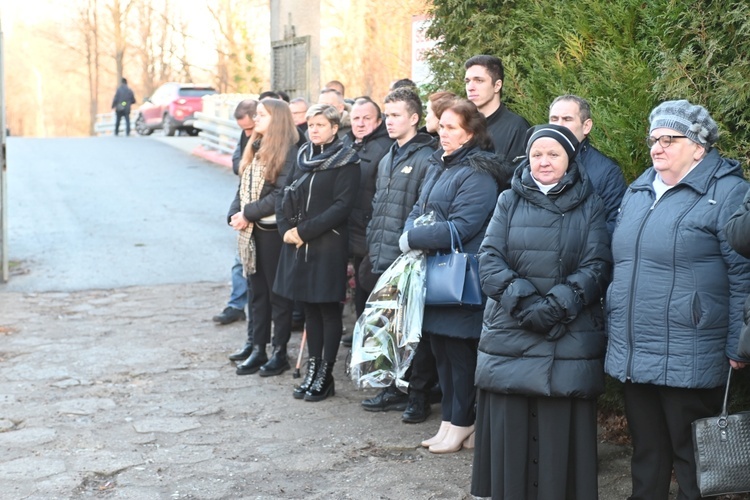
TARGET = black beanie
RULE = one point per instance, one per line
(564, 136)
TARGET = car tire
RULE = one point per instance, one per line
(140, 126)
(168, 126)
(192, 131)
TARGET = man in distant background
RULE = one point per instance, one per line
(121, 103)
(298, 107)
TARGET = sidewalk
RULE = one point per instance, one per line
(128, 394)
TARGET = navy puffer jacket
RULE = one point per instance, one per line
(675, 303)
(545, 264)
(461, 188)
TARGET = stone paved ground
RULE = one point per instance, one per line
(128, 394)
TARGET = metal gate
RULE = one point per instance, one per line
(290, 70)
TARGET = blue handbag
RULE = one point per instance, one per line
(452, 279)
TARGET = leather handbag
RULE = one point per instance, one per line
(452, 279)
(722, 451)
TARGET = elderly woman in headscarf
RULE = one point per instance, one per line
(675, 303)
(544, 264)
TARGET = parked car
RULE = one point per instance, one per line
(172, 108)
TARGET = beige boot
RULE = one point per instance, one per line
(453, 440)
(469, 442)
(444, 426)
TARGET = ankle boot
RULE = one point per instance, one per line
(469, 442)
(252, 364)
(454, 439)
(242, 353)
(437, 438)
(277, 365)
(323, 385)
(312, 370)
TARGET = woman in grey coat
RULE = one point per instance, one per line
(675, 303)
(544, 265)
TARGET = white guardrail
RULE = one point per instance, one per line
(105, 123)
(218, 128)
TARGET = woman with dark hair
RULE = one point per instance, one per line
(312, 217)
(460, 190)
(436, 104)
(266, 162)
(544, 265)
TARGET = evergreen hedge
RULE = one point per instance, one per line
(624, 56)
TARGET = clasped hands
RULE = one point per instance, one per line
(292, 237)
(238, 221)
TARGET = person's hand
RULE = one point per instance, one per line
(292, 237)
(238, 221)
(737, 365)
(541, 316)
(403, 243)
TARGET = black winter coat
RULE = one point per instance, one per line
(545, 264)
(316, 271)
(266, 203)
(461, 188)
(123, 95)
(398, 187)
(508, 133)
(370, 151)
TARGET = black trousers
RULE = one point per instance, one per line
(659, 419)
(267, 305)
(360, 294)
(323, 324)
(456, 361)
(422, 373)
(119, 116)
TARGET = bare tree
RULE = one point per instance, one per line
(119, 11)
(235, 70)
(89, 21)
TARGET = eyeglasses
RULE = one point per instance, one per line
(664, 141)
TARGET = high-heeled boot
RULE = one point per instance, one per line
(444, 426)
(454, 439)
(323, 385)
(312, 369)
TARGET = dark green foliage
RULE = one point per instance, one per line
(624, 56)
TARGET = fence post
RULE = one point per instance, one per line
(3, 185)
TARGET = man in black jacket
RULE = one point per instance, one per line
(369, 138)
(399, 181)
(239, 296)
(121, 103)
(574, 113)
(484, 87)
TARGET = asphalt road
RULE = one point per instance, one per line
(107, 212)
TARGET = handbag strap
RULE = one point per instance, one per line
(724, 411)
(456, 246)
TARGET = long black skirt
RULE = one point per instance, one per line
(534, 448)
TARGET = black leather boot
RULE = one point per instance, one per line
(323, 385)
(252, 364)
(242, 353)
(417, 410)
(277, 365)
(312, 369)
